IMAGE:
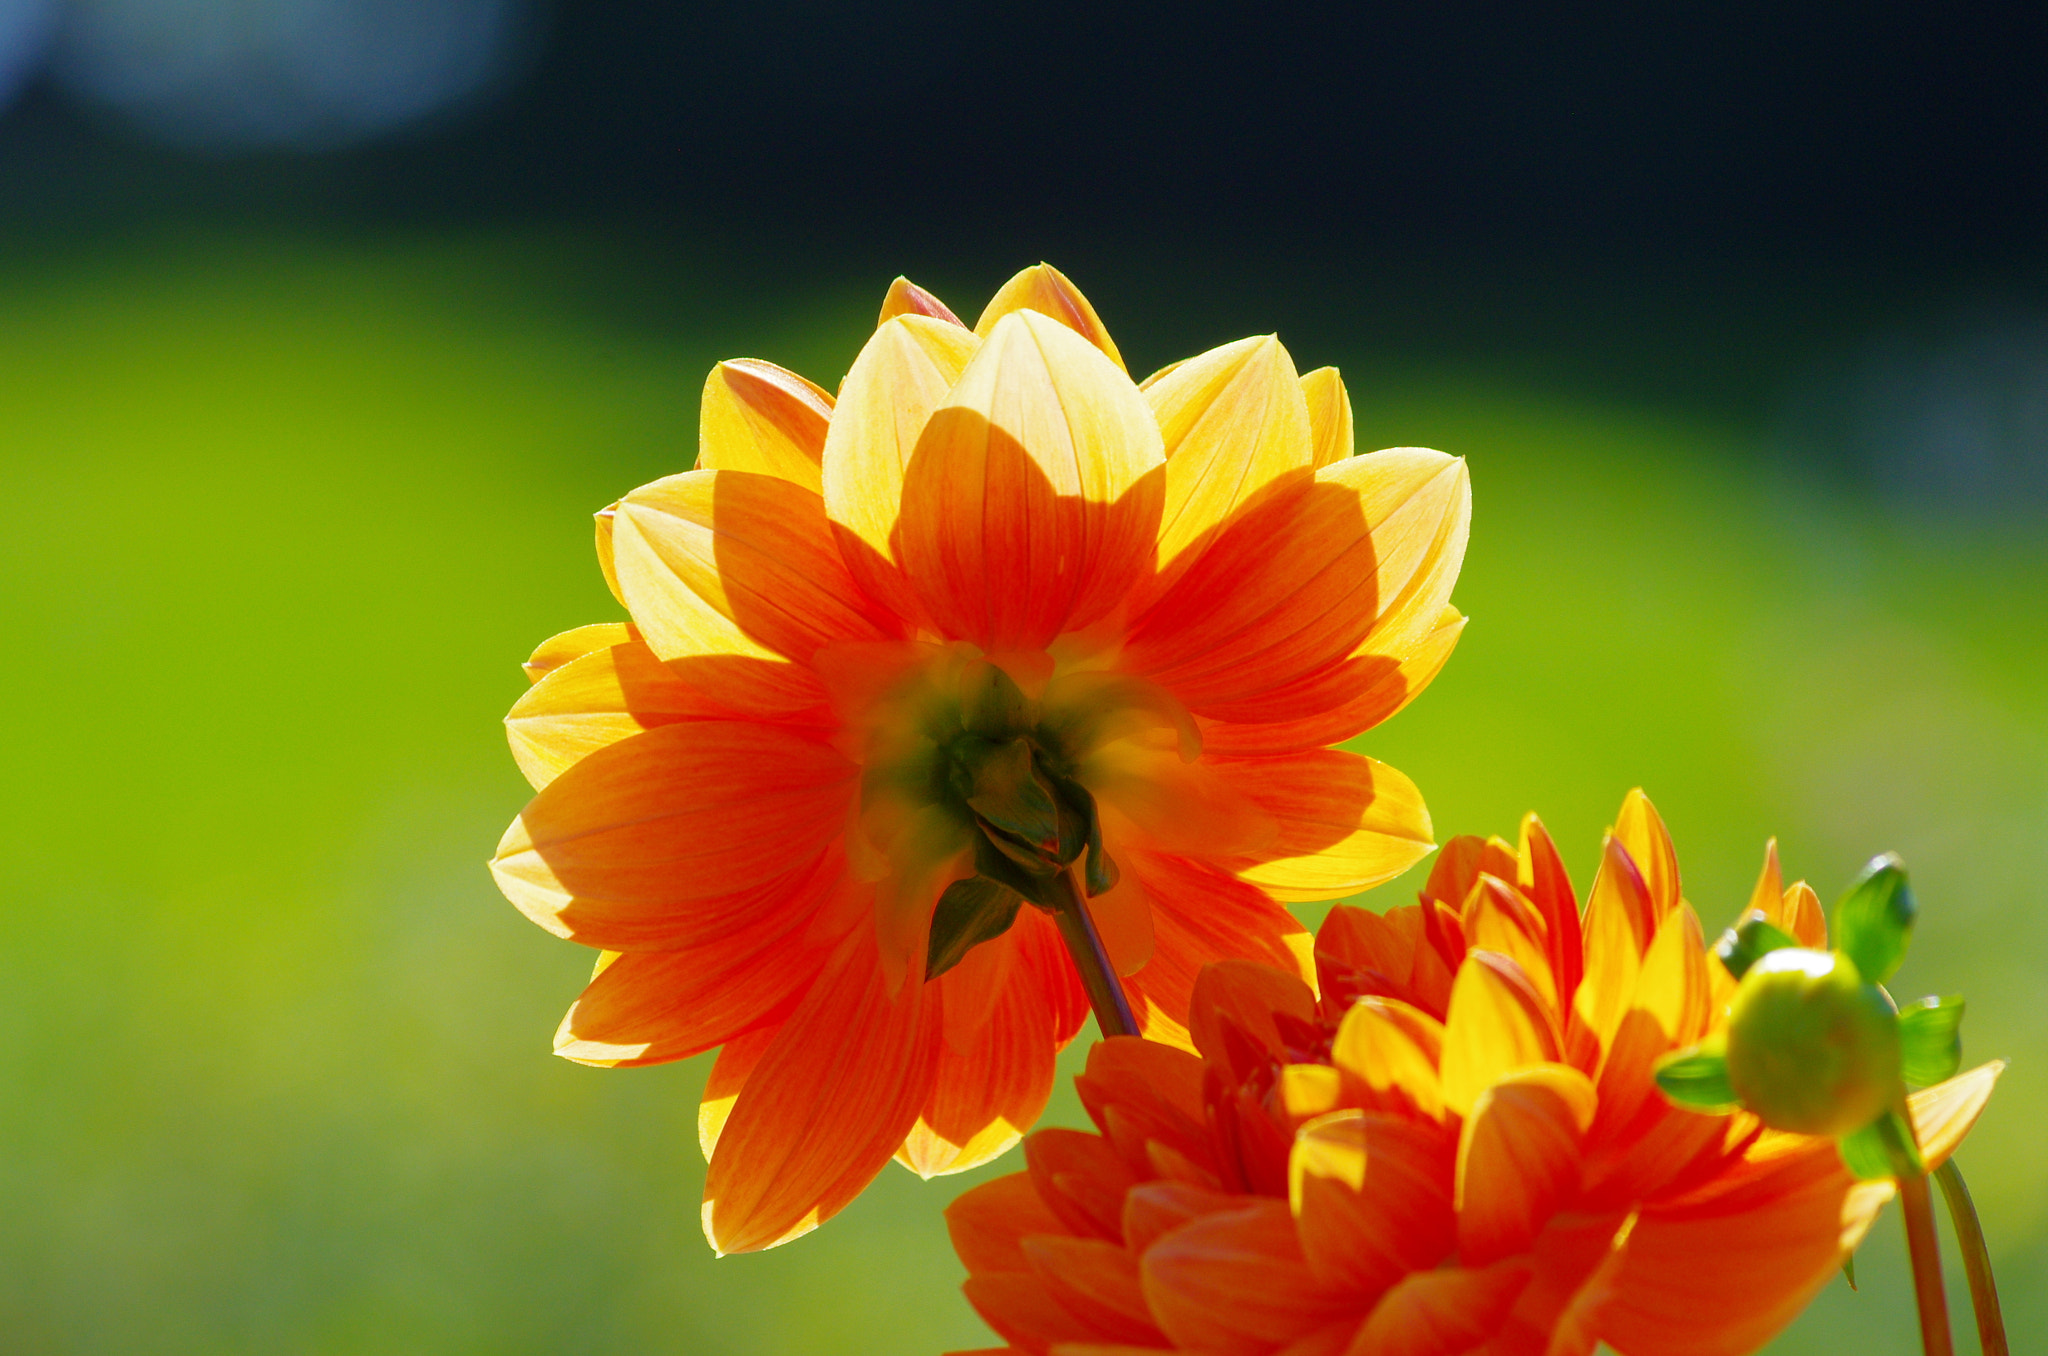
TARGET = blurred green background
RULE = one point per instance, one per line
(309, 387)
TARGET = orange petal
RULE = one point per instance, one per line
(1345, 822)
(729, 1073)
(1044, 289)
(1246, 997)
(620, 849)
(1769, 895)
(1456, 871)
(1800, 914)
(1364, 948)
(1031, 502)
(1142, 1094)
(727, 562)
(1234, 421)
(1082, 1180)
(1023, 1312)
(1518, 1158)
(900, 377)
(1258, 628)
(1371, 1196)
(1096, 1281)
(1540, 875)
(762, 418)
(1393, 1048)
(992, 1084)
(1619, 923)
(1641, 830)
(1201, 914)
(1497, 918)
(1329, 415)
(649, 1007)
(1442, 1313)
(556, 651)
(825, 1108)
(1236, 1283)
(603, 696)
(907, 298)
(1497, 1024)
(987, 1223)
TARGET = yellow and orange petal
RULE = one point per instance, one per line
(1449, 1149)
(1193, 587)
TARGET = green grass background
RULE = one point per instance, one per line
(281, 519)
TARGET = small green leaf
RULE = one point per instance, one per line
(970, 912)
(1849, 1270)
(1697, 1079)
(1874, 920)
(1883, 1148)
(1749, 940)
(1931, 1039)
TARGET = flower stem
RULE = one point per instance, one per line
(1962, 1213)
(1918, 1207)
(1084, 947)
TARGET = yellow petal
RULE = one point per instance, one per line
(900, 377)
(1618, 927)
(1345, 822)
(762, 418)
(907, 298)
(1675, 987)
(594, 700)
(1497, 918)
(1044, 289)
(1329, 414)
(1641, 830)
(1391, 1046)
(1371, 1196)
(558, 650)
(1030, 504)
(1497, 1024)
(1944, 1113)
(1518, 1158)
(1233, 420)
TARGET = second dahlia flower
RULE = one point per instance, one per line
(994, 620)
(1459, 1146)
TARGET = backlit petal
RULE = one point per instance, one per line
(907, 298)
(1619, 924)
(1497, 1024)
(1345, 822)
(900, 377)
(1236, 1283)
(594, 700)
(1442, 1313)
(1234, 420)
(1393, 1048)
(1046, 290)
(729, 1073)
(1329, 415)
(1944, 1113)
(1201, 914)
(620, 849)
(1518, 1158)
(1030, 504)
(988, 1222)
(1371, 1196)
(762, 418)
(825, 1108)
(1641, 830)
(1097, 1281)
(556, 651)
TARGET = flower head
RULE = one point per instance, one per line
(1459, 1146)
(993, 617)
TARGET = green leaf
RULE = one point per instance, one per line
(1931, 1039)
(970, 912)
(1014, 867)
(1874, 920)
(1748, 941)
(1697, 1079)
(1883, 1148)
(1849, 1270)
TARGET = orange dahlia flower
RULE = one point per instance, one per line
(1459, 1147)
(994, 612)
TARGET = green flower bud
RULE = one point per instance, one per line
(1811, 1047)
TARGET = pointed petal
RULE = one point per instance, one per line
(1619, 923)
(1456, 871)
(650, 1007)
(1046, 290)
(1944, 1113)
(825, 1108)
(616, 853)
(594, 700)
(1497, 918)
(1393, 1048)
(762, 418)
(1234, 421)
(900, 377)
(1800, 914)
(1097, 1281)
(1201, 914)
(1031, 502)
(1676, 987)
(1540, 874)
(1497, 1024)
(1641, 830)
(992, 1079)
(1441, 1313)
(602, 521)
(1518, 1159)
(1329, 415)
(1260, 626)
(1371, 1196)
(746, 559)
(558, 650)
(1346, 822)
(987, 1223)
(907, 298)
(1769, 895)
(1236, 1283)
